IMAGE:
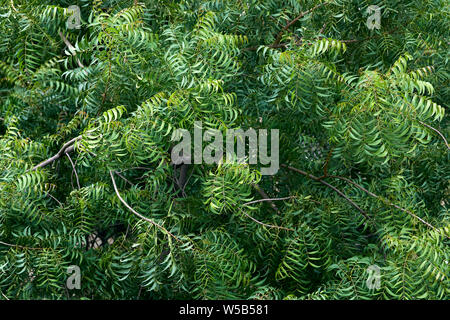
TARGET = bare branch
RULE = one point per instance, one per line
(438, 132)
(74, 170)
(71, 48)
(59, 202)
(124, 179)
(385, 201)
(268, 199)
(66, 148)
(111, 173)
(265, 196)
(18, 246)
(329, 186)
(290, 23)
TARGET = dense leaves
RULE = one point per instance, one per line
(88, 118)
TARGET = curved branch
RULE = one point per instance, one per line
(66, 148)
(74, 169)
(437, 131)
(385, 201)
(290, 23)
(268, 199)
(135, 212)
(339, 192)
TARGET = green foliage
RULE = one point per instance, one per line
(87, 118)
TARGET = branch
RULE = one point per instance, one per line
(124, 179)
(135, 212)
(59, 202)
(265, 224)
(66, 148)
(19, 246)
(329, 186)
(265, 196)
(74, 170)
(437, 131)
(71, 48)
(290, 23)
(270, 200)
(387, 202)
(279, 45)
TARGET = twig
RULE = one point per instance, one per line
(5, 296)
(12, 5)
(74, 170)
(279, 45)
(60, 204)
(71, 48)
(271, 199)
(125, 179)
(301, 15)
(265, 196)
(265, 224)
(329, 186)
(437, 131)
(323, 28)
(18, 246)
(66, 148)
(135, 212)
(325, 168)
(385, 201)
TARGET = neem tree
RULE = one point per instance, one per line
(87, 116)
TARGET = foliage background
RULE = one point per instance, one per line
(362, 123)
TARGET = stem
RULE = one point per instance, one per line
(111, 173)
(329, 186)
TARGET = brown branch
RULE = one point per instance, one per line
(437, 131)
(290, 23)
(74, 170)
(279, 45)
(385, 201)
(265, 224)
(265, 196)
(18, 246)
(329, 186)
(270, 200)
(124, 179)
(135, 212)
(71, 48)
(66, 148)
(59, 202)
(325, 168)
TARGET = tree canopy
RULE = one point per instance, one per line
(88, 112)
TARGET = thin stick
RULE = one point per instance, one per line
(135, 212)
(5, 296)
(268, 199)
(71, 48)
(438, 132)
(60, 204)
(265, 224)
(290, 23)
(265, 196)
(124, 179)
(74, 170)
(387, 202)
(18, 246)
(66, 148)
(329, 186)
